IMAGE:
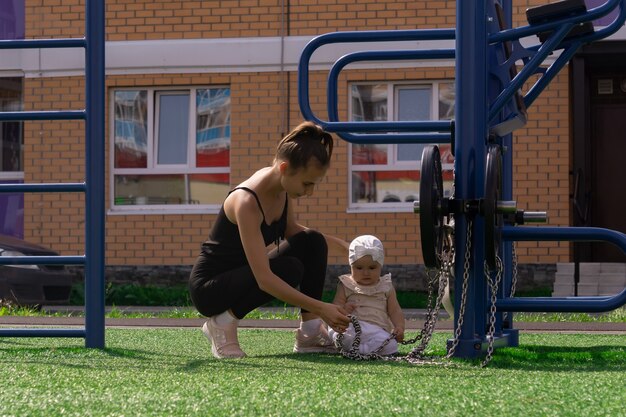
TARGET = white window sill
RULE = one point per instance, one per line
(379, 208)
(147, 210)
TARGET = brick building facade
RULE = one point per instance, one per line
(251, 48)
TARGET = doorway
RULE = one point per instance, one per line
(598, 86)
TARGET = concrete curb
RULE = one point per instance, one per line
(412, 324)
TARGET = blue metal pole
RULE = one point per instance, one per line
(471, 128)
(43, 187)
(43, 115)
(42, 332)
(507, 189)
(94, 158)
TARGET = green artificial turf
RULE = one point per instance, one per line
(170, 372)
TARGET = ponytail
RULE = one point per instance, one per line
(305, 142)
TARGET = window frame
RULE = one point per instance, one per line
(393, 164)
(152, 166)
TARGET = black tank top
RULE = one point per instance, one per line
(224, 248)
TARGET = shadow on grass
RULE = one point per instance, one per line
(299, 362)
(527, 358)
(561, 358)
(69, 356)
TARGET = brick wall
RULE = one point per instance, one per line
(541, 164)
(54, 151)
(189, 19)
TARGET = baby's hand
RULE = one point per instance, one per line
(349, 307)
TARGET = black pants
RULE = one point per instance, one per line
(301, 262)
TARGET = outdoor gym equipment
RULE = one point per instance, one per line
(93, 187)
(487, 54)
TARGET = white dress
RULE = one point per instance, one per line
(371, 310)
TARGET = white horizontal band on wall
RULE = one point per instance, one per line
(222, 55)
(203, 55)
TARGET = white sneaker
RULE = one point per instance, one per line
(316, 343)
(224, 343)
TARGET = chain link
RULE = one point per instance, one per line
(466, 273)
(493, 288)
(514, 267)
(439, 278)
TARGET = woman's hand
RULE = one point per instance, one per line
(335, 316)
(399, 332)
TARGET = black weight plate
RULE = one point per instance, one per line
(493, 193)
(431, 213)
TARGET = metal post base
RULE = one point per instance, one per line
(475, 348)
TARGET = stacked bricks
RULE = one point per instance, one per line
(261, 113)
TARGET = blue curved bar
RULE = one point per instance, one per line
(562, 27)
(580, 234)
(42, 332)
(610, 29)
(564, 304)
(395, 126)
(43, 43)
(569, 52)
(42, 260)
(43, 187)
(394, 138)
(524, 31)
(332, 99)
(357, 37)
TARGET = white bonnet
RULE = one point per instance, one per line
(366, 245)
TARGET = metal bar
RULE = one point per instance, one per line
(569, 51)
(42, 43)
(355, 37)
(524, 31)
(562, 27)
(332, 96)
(394, 138)
(43, 115)
(42, 333)
(469, 162)
(582, 234)
(550, 73)
(42, 260)
(527, 71)
(43, 187)
(394, 126)
(94, 162)
(507, 194)
(568, 304)
(563, 305)
(399, 55)
(608, 30)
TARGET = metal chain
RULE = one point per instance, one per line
(431, 319)
(416, 356)
(514, 267)
(353, 353)
(466, 273)
(493, 288)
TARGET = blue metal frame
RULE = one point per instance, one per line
(345, 127)
(487, 77)
(94, 330)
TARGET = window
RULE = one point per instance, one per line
(387, 176)
(11, 157)
(171, 147)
